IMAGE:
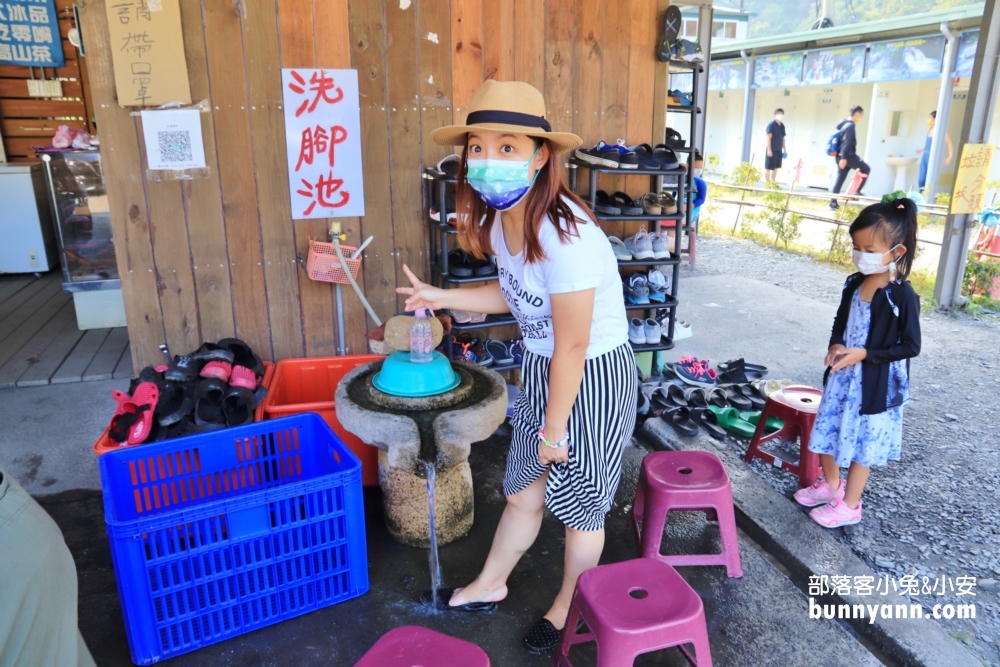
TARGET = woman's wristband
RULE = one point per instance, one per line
(553, 445)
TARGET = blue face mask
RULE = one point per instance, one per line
(501, 183)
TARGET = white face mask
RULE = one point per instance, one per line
(780, 117)
(697, 172)
(870, 263)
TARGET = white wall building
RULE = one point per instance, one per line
(816, 76)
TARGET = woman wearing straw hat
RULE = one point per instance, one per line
(559, 277)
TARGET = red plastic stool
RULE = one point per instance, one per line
(414, 646)
(797, 406)
(635, 607)
(685, 481)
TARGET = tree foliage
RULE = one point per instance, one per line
(772, 18)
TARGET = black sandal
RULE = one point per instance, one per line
(708, 421)
(443, 597)
(176, 403)
(243, 355)
(208, 395)
(238, 406)
(542, 637)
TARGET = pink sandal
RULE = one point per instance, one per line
(819, 493)
(835, 514)
(133, 420)
(220, 370)
(243, 377)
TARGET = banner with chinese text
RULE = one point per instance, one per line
(29, 34)
(778, 71)
(727, 75)
(832, 66)
(147, 49)
(323, 140)
(907, 59)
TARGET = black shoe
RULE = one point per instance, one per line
(444, 596)
(834, 205)
(542, 637)
(602, 155)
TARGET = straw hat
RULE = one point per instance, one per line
(506, 106)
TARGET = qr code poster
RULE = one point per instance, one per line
(323, 140)
(173, 139)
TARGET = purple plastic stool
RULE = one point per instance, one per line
(632, 608)
(685, 481)
(414, 646)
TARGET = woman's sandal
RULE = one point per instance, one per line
(542, 637)
(444, 596)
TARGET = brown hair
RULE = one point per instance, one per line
(547, 198)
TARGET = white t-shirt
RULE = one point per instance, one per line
(583, 262)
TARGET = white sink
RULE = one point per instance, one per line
(900, 164)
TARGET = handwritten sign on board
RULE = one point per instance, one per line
(970, 181)
(323, 142)
(29, 34)
(147, 48)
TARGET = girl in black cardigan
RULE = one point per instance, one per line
(875, 333)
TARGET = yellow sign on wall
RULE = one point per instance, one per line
(147, 48)
(970, 181)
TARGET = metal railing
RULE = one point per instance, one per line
(936, 210)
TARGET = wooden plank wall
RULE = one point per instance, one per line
(221, 255)
(27, 121)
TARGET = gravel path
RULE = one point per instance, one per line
(936, 512)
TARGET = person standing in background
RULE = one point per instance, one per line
(847, 153)
(775, 145)
(925, 152)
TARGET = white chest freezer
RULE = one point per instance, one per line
(27, 240)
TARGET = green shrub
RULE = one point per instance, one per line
(840, 246)
(979, 275)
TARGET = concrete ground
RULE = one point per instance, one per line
(743, 302)
(760, 619)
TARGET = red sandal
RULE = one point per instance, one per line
(133, 420)
(220, 370)
(243, 377)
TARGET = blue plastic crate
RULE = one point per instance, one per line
(221, 533)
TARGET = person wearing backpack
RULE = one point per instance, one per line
(843, 145)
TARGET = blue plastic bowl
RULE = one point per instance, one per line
(401, 377)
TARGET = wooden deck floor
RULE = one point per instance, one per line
(40, 342)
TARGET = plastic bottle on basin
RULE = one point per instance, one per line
(421, 338)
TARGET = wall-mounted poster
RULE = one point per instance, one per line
(29, 34)
(323, 142)
(903, 60)
(727, 75)
(843, 65)
(147, 50)
(966, 54)
(778, 71)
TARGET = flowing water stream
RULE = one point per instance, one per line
(435, 564)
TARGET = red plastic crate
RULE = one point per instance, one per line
(309, 385)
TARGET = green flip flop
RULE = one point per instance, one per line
(773, 423)
(729, 419)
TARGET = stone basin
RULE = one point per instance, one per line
(412, 433)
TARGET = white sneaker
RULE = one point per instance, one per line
(660, 244)
(640, 245)
(682, 329)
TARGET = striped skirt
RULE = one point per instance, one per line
(580, 491)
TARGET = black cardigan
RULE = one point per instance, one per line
(894, 335)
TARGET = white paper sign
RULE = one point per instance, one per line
(173, 139)
(323, 139)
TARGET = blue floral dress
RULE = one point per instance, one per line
(840, 429)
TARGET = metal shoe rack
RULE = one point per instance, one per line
(657, 176)
(698, 78)
(684, 184)
(444, 239)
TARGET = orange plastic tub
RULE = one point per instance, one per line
(106, 444)
(309, 385)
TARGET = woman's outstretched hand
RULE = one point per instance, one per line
(420, 294)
